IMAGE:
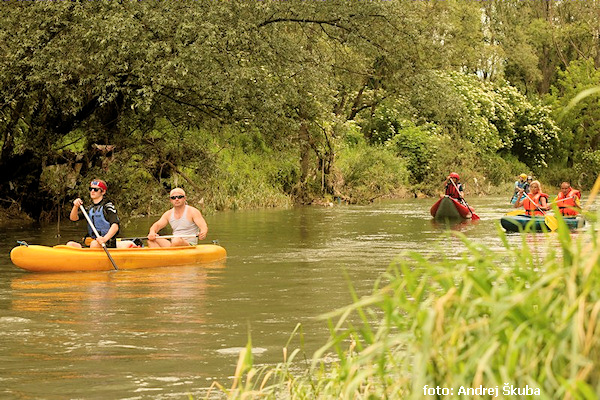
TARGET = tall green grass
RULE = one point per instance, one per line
(509, 321)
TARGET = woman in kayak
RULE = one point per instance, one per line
(536, 202)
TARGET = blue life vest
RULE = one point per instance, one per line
(99, 220)
(521, 185)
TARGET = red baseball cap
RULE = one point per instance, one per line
(101, 184)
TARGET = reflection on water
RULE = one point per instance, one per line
(461, 225)
(93, 291)
(169, 332)
(128, 326)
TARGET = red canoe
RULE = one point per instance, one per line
(447, 207)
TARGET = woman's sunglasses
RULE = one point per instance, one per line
(93, 189)
(177, 197)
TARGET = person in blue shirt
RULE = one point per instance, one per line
(522, 183)
(102, 213)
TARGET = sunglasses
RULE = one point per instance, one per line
(93, 189)
(177, 197)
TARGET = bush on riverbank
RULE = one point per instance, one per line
(509, 322)
(241, 179)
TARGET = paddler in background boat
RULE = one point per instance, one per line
(102, 213)
(535, 202)
(184, 219)
(454, 189)
(568, 200)
(520, 184)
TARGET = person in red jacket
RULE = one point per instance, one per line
(453, 188)
(536, 202)
(568, 200)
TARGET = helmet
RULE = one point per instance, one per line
(454, 175)
(523, 176)
(529, 178)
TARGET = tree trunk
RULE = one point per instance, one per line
(301, 190)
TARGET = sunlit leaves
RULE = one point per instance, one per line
(493, 117)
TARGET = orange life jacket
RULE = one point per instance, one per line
(568, 206)
(531, 208)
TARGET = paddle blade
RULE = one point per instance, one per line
(551, 222)
(475, 217)
(515, 213)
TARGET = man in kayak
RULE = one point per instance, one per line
(522, 183)
(536, 202)
(186, 222)
(568, 200)
(102, 213)
(527, 184)
(454, 189)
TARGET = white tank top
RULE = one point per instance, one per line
(183, 226)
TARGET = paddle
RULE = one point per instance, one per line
(162, 237)
(175, 236)
(474, 217)
(97, 235)
(550, 220)
(566, 198)
(515, 213)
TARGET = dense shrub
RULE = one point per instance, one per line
(578, 120)
(251, 180)
(588, 167)
(498, 169)
(384, 124)
(492, 117)
(370, 171)
(419, 146)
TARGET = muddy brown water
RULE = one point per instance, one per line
(171, 332)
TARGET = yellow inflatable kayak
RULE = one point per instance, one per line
(65, 258)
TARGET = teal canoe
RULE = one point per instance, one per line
(516, 223)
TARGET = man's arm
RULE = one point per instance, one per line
(158, 225)
(114, 228)
(200, 223)
(74, 215)
(544, 203)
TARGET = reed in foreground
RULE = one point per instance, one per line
(511, 325)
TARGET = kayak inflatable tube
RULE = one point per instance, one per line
(64, 258)
(518, 223)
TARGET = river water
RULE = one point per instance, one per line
(171, 332)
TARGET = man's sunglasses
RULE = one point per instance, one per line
(177, 197)
(94, 189)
